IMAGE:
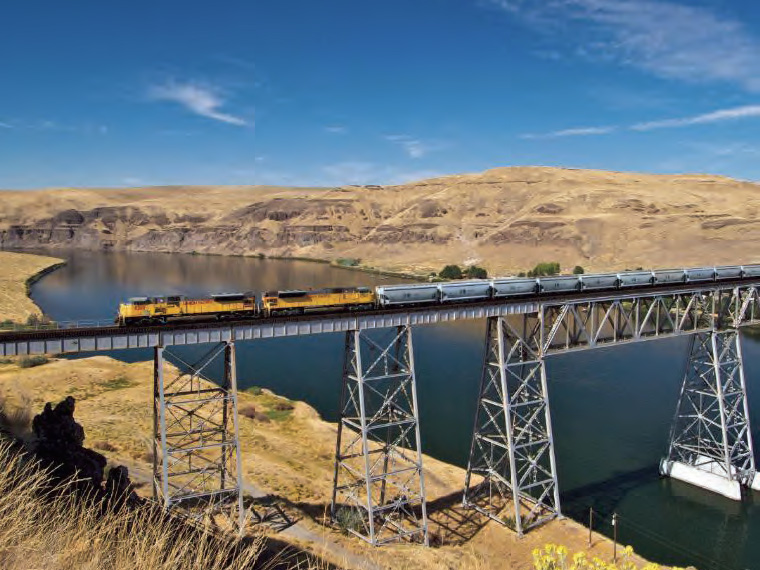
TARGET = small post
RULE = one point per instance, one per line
(614, 536)
(590, 524)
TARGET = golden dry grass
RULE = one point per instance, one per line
(60, 531)
(15, 270)
(289, 456)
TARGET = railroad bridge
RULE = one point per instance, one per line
(512, 472)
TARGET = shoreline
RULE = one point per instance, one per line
(39, 275)
(21, 271)
(263, 257)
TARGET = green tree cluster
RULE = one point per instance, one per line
(455, 272)
(544, 268)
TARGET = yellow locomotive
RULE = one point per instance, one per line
(156, 310)
(150, 310)
(299, 302)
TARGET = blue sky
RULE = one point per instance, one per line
(300, 92)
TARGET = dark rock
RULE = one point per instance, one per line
(59, 444)
(119, 487)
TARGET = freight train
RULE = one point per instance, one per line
(154, 310)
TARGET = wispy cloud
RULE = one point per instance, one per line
(202, 100)
(336, 129)
(735, 113)
(667, 39)
(719, 116)
(415, 147)
(5, 126)
(576, 132)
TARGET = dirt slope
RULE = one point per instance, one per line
(506, 219)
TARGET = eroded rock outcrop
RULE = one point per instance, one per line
(59, 445)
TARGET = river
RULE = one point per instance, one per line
(611, 407)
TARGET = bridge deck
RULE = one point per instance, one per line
(88, 339)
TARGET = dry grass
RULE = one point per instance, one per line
(60, 531)
(15, 270)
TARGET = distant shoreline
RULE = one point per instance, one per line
(20, 271)
(263, 257)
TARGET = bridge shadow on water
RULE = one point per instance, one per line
(605, 496)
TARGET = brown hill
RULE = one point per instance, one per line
(506, 219)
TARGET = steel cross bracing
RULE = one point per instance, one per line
(711, 430)
(582, 324)
(196, 445)
(378, 488)
(511, 474)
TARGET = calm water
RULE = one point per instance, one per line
(611, 407)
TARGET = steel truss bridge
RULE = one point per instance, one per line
(512, 473)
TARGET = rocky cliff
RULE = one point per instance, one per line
(506, 219)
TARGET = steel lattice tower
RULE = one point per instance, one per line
(378, 489)
(512, 453)
(711, 431)
(196, 446)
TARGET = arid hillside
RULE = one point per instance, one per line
(505, 219)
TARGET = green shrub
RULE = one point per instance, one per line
(34, 320)
(6, 324)
(117, 383)
(32, 361)
(255, 390)
(349, 519)
(451, 272)
(543, 269)
(578, 270)
(475, 272)
(347, 261)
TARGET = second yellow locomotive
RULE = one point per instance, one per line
(299, 302)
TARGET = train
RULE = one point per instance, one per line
(159, 310)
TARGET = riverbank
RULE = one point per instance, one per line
(18, 271)
(287, 452)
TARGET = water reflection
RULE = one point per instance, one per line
(611, 407)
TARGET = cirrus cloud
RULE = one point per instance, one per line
(202, 100)
(665, 38)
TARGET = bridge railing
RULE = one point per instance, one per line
(55, 325)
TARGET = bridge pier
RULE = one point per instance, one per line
(710, 439)
(512, 454)
(378, 487)
(196, 445)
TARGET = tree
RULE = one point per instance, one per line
(475, 272)
(578, 270)
(544, 268)
(451, 272)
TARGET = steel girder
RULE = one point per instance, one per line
(711, 430)
(581, 324)
(378, 487)
(196, 444)
(512, 474)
